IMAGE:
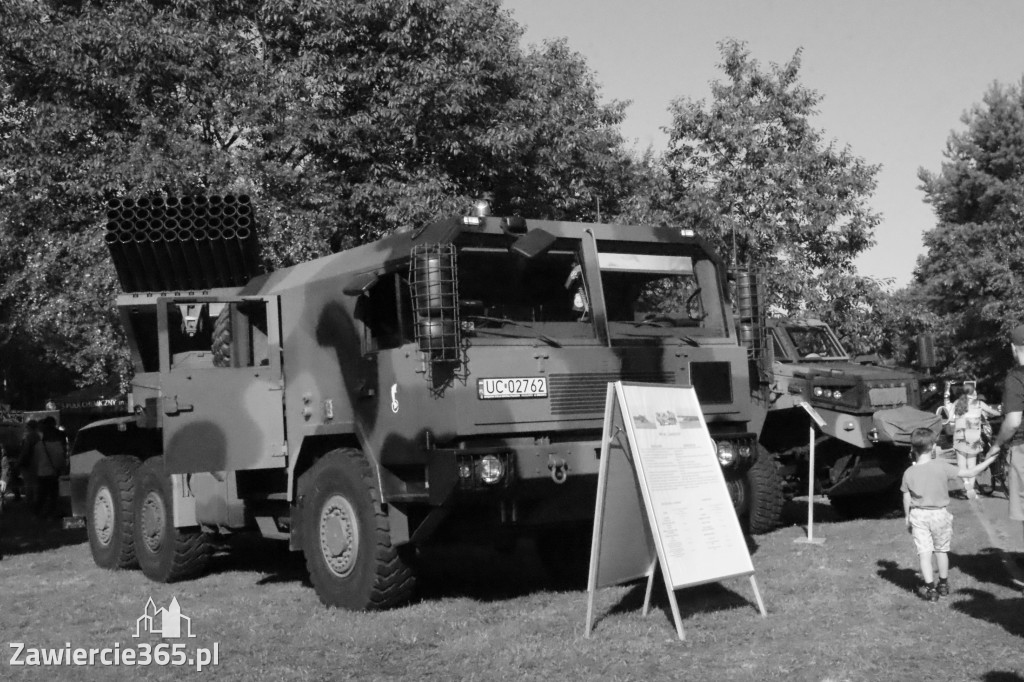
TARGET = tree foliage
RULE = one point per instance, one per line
(972, 273)
(343, 120)
(750, 170)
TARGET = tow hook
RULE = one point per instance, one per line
(558, 468)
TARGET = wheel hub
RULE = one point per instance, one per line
(103, 516)
(339, 535)
(152, 519)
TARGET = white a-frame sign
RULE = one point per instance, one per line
(662, 498)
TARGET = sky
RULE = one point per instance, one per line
(895, 76)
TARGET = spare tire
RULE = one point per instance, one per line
(221, 344)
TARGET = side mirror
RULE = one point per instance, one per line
(533, 243)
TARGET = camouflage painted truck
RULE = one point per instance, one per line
(443, 382)
(869, 410)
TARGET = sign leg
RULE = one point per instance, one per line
(650, 586)
(678, 619)
(757, 596)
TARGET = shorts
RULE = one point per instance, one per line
(1015, 483)
(932, 529)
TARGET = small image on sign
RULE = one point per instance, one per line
(667, 418)
(512, 387)
(642, 422)
(688, 422)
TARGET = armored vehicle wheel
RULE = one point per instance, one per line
(165, 553)
(346, 537)
(764, 512)
(108, 520)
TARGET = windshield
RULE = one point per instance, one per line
(494, 284)
(649, 291)
(814, 342)
(645, 294)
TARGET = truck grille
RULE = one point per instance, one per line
(888, 397)
(585, 393)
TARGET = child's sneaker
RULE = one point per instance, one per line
(942, 588)
(928, 593)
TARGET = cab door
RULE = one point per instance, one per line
(222, 384)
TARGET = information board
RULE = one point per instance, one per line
(660, 477)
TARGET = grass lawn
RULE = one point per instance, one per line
(845, 610)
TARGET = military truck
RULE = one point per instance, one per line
(443, 382)
(868, 409)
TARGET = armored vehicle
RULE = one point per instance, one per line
(869, 410)
(443, 382)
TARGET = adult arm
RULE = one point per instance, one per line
(1011, 422)
(1013, 406)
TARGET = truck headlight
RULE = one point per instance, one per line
(726, 453)
(490, 469)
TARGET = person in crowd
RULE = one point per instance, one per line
(50, 460)
(970, 415)
(925, 489)
(26, 461)
(1010, 433)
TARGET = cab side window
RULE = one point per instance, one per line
(780, 352)
(386, 312)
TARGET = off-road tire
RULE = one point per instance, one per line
(764, 488)
(166, 554)
(109, 517)
(221, 339)
(346, 537)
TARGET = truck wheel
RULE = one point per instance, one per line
(346, 537)
(108, 520)
(764, 512)
(165, 553)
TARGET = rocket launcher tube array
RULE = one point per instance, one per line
(182, 243)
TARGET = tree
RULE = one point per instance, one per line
(342, 120)
(753, 175)
(972, 271)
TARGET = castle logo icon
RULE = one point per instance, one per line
(169, 623)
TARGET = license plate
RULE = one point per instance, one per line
(512, 387)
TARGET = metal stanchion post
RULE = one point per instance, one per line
(815, 419)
